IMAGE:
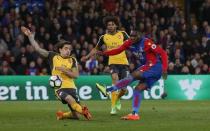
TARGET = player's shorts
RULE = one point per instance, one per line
(151, 74)
(62, 93)
(121, 70)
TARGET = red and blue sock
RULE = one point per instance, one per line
(136, 102)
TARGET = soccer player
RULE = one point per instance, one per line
(118, 63)
(154, 63)
(65, 66)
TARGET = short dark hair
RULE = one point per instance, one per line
(110, 19)
(60, 44)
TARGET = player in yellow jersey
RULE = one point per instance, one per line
(65, 66)
(118, 63)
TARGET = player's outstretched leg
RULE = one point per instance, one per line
(121, 84)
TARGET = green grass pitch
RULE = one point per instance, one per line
(163, 115)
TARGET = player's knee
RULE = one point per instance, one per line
(136, 74)
(75, 115)
(123, 90)
(69, 99)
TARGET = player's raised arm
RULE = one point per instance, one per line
(120, 49)
(30, 35)
(94, 50)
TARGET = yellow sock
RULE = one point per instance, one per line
(67, 115)
(114, 98)
(77, 107)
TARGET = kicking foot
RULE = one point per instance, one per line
(102, 89)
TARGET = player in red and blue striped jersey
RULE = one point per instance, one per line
(154, 63)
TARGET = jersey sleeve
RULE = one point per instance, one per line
(125, 35)
(120, 49)
(51, 54)
(100, 42)
(74, 63)
(50, 58)
(150, 45)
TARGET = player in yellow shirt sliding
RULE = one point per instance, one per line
(65, 66)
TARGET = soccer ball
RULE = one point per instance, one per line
(55, 81)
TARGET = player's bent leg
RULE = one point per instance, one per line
(78, 108)
(123, 83)
(71, 115)
(121, 93)
(118, 105)
(113, 103)
(66, 115)
(74, 105)
(75, 115)
(137, 74)
(114, 94)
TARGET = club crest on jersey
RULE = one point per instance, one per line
(153, 46)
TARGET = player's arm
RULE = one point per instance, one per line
(94, 50)
(73, 72)
(33, 42)
(120, 49)
(158, 50)
(125, 36)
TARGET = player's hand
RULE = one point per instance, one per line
(165, 75)
(84, 58)
(26, 31)
(99, 52)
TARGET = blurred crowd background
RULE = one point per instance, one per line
(181, 27)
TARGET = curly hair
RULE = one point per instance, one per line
(110, 19)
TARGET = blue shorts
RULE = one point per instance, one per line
(151, 75)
